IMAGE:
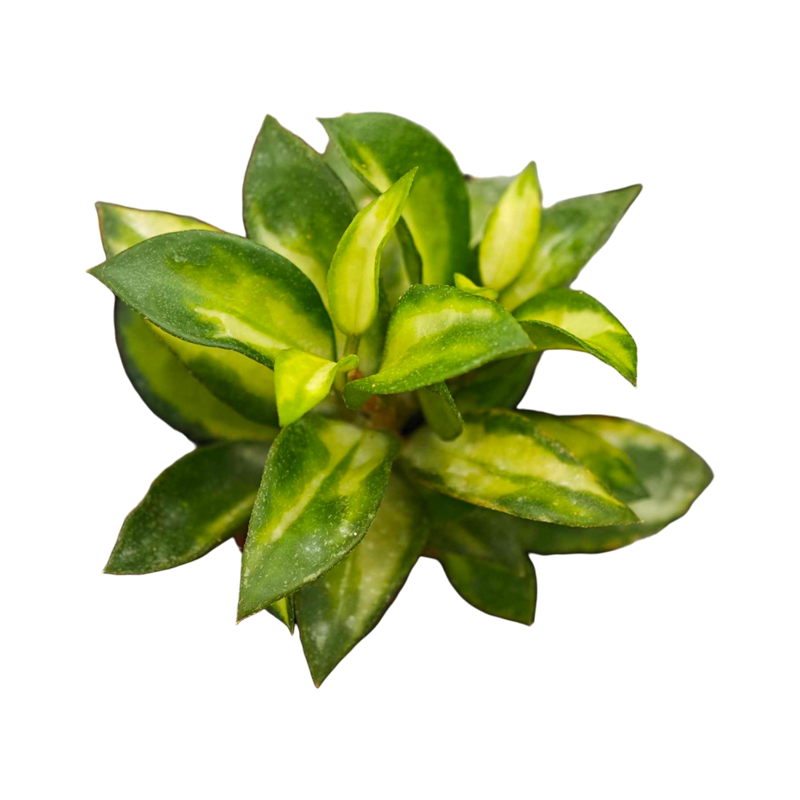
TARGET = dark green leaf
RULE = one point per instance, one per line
(500, 384)
(441, 412)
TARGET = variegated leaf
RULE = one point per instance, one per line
(501, 461)
(440, 410)
(193, 506)
(321, 489)
(501, 384)
(382, 148)
(354, 275)
(436, 333)
(303, 381)
(342, 606)
(565, 319)
(294, 203)
(572, 231)
(222, 291)
(511, 230)
(484, 194)
(468, 285)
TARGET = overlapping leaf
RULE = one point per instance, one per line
(502, 461)
(321, 489)
(382, 148)
(501, 384)
(436, 333)
(440, 410)
(565, 319)
(466, 284)
(484, 194)
(191, 508)
(342, 606)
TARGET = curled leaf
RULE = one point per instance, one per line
(441, 411)
(467, 285)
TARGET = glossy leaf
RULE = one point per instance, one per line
(321, 489)
(565, 319)
(572, 231)
(440, 410)
(294, 203)
(191, 508)
(171, 391)
(484, 194)
(467, 285)
(501, 384)
(436, 333)
(302, 381)
(381, 148)
(342, 606)
(354, 275)
(222, 291)
(511, 230)
(501, 461)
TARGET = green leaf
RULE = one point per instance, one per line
(467, 285)
(302, 381)
(484, 195)
(353, 278)
(436, 333)
(501, 461)
(381, 148)
(572, 231)
(222, 291)
(565, 319)
(191, 508)
(511, 230)
(342, 606)
(440, 410)
(501, 384)
(321, 489)
(171, 391)
(294, 203)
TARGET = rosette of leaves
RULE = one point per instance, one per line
(350, 373)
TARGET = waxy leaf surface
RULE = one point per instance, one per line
(382, 148)
(501, 461)
(342, 606)
(222, 291)
(436, 333)
(303, 381)
(321, 489)
(193, 506)
(354, 275)
(294, 203)
(440, 410)
(501, 384)
(511, 230)
(565, 319)
(484, 194)
(572, 231)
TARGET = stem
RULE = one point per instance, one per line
(350, 348)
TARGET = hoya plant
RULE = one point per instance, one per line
(350, 373)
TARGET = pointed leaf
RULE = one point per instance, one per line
(501, 461)
(353, 278)
(171, 391)
(467, 285)
(193, 506)
(294, 203)
(501, 384)
(572, 231)
(321, 489)
(382, 148)
(222, 291)
(484, 195)
(302, 381)
(511, 230)
(342, 606)
(440, 410)
(436, 333)
(565, 319)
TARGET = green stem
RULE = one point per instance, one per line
(350, 348)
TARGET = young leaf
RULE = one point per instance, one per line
(294, 203)
(501, 461)
(436, 333)
(484, 195)
(467, 285)
(353, 278)
(193, 506)
(572, 231)
(342, 606)
(321, 489)
(565, 319)
(441, 412)
(171, 391)
(381, 148)
(501, 384)
(221, 291)
(302, 381)
(511, 230)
